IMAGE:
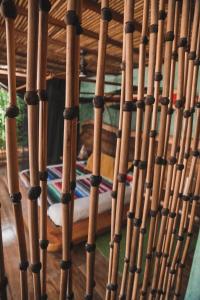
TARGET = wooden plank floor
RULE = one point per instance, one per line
(53, 277)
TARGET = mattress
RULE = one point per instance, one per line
(82, 192)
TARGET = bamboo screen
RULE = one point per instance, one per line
(166, 176)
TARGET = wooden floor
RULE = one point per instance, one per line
(11, 260)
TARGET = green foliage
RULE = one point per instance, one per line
(21, 119)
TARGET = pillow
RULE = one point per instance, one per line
(107, 165)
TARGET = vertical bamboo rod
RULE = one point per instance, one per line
(3, 278)
(172, 159)
(70, 113)
(180, 166)
(8, 11)
(32, 101)
(117, 157)
(152, 134)
(181, 265)
(164, 101)
(150, 100)
(139, 117)
(70, 293)
(44, 7)
(96, 178)
(123, 162)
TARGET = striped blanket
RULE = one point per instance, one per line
(82, 191)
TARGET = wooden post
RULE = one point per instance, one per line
(8, 11)
(96, 178)
(44, 7)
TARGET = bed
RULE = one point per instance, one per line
(81, 203)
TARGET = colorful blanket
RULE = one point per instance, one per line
(82, 191)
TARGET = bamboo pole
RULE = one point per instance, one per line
(3, 278)
(181, 265)
(70, 113)
(188, 183)
(139, 117)
(70, 293)
(164, 101)
(116, 166)
(44, 7)
(180, 166)
(123, 162)
(96, 178)
(8, 11)
(170, 166)
(142, 159)
(152, 134)
(32, 101)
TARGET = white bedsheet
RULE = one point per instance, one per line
(81, 207)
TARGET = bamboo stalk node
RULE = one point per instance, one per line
(66, 198)
(16, 197)
(197, 62)
(31, 98)
(170, 111)
(44, 5)
(164, 100)
(114, 194)
(71, 18)
(169, 36)
(65, 264)
(129, 106)
(90, 247)
(23, 265)
(130, 215)
(119, 134)
(162, 15)
(142, 165)
(44, 244)
(192, 55)
(153, 28)
(112, 287)
(42, 94)
(153, 213)
(149, 100)
(144, 40)
(182, 43)
(43, 175)
(106, 14)
(129, 27)
(158, 76)
(165, 212)
(153, 133)
(175, 55)
(137, 222)
(70, 113)
(117, 238)
(95, 180)
(121, 177)
(8, 9)
(12, 111)
(180, 238)
(140, 104)
(98, 101)
(34, 192)
(35, 268)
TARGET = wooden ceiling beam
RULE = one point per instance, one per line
(86, 32)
